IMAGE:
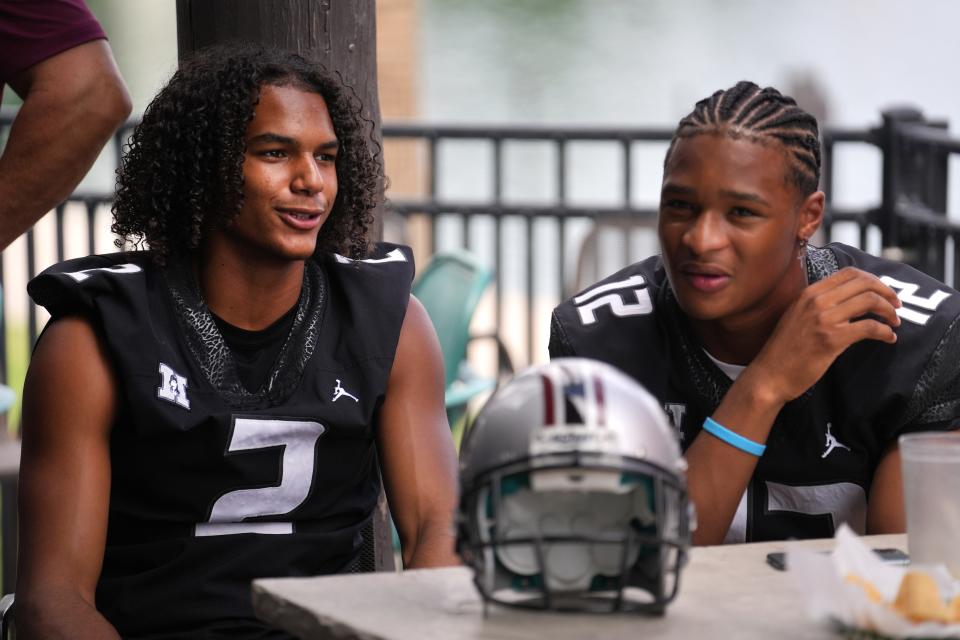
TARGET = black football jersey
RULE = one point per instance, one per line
(825, 445)
(214, 485)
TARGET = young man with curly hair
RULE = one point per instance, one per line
(218, 407)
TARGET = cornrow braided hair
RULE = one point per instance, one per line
(745, 110)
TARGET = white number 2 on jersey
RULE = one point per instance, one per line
(906, 291)
(609, 295)
(295, 441)
(80, 276)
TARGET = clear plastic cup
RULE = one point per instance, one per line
(931, 492)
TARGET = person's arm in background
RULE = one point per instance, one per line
(417, 454)
(72, 104)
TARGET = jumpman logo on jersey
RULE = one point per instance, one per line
(832, 443)
(339, 392)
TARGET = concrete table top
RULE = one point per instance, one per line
(725, 592)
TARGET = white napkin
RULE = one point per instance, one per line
(820, 579)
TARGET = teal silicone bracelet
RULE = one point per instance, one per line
(714, 428)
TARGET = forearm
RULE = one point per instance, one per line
(718, 472)
(59, 613)
(54, 140)
(433, 546)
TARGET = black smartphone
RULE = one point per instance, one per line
(778, 559)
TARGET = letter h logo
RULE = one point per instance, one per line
(173, 387)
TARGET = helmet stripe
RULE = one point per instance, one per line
(548, 401)
(598, 394)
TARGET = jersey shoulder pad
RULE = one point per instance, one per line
(388, 266)
(72, 286)
(926, 302)
(382, 253)
(612, 318)
(627, 293)
(372, 294)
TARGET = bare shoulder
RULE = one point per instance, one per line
(417, 320)
(66, 344)
(418, 348)
(70, 378)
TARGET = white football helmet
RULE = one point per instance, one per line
(573, 493)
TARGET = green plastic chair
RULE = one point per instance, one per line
(450, 288)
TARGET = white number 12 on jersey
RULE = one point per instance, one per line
(608, 295)
(296, 441)
(906, 291)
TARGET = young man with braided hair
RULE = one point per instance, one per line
(788, 370)
(219, 408)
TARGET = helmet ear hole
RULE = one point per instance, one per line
(573, 493)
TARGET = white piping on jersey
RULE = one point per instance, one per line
(632, 281)
(395, 255)
(127, 267)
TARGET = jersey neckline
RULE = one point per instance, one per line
(206, 345)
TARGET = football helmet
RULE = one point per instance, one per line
(573, 493)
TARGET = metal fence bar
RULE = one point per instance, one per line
(60, 212)
(3, 328)
(936, 138)
(530, 284)
(826, 182)
(31, 271)
(432, 188)
(498, 273)
(525, 132)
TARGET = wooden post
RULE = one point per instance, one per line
(341, 35)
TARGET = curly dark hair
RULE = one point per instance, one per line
(182, 171)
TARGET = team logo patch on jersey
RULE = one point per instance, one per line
(173, 387)
(340, 392)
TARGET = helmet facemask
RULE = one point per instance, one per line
(581, 538)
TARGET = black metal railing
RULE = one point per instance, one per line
(497, 209)
(909, 214)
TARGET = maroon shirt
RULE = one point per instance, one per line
(33, 30)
